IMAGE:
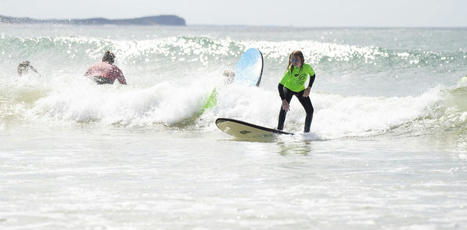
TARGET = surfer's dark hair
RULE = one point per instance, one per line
(24, 67)
(109, 57)
(296, 54)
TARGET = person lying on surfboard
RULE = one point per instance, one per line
(293, 83)
(106, 72)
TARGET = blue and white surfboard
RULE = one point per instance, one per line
(249, 68)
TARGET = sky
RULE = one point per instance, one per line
(299, 13)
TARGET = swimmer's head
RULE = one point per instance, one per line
(109, 57)
(229, 76)
(23, 67)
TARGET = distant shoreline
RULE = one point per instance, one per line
(163, 20)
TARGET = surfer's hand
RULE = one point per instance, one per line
(285, 105)
(307, 92)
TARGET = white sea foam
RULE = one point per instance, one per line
(83, 101)
(75, 99)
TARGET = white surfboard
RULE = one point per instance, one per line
(245, 130)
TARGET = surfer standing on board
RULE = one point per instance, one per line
(106, 72)
(293, 83)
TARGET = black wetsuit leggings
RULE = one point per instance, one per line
(306, 103)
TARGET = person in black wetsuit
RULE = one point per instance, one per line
(293, 83)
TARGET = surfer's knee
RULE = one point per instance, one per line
(310, 111)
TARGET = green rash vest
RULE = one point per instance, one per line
(295, 80)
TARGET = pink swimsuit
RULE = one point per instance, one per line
(107, 71)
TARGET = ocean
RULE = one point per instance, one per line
(387, 148)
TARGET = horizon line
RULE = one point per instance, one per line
(252, 25)
(246, 25)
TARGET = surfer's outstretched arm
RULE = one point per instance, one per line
(33, 69)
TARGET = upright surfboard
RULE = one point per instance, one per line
(249, 68)
(248, 71)
(245, 130)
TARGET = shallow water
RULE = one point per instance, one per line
(144, 179)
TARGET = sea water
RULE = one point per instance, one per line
(388, 148)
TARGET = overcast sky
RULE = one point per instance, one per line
(309, 13)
